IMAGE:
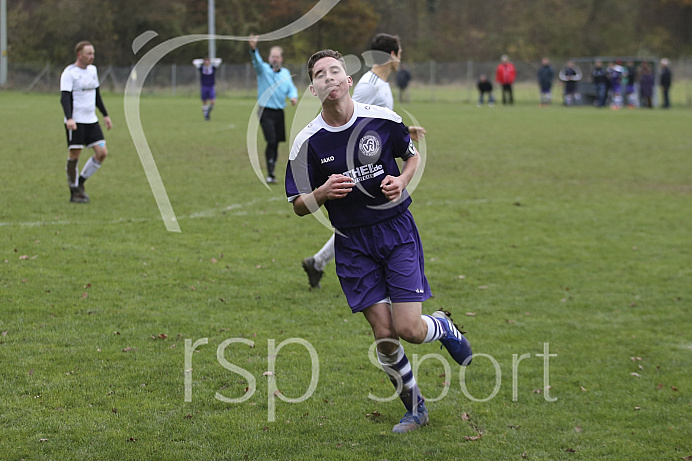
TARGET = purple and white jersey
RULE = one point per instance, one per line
(364, 149)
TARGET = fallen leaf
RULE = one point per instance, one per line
(127, 349)
(577, 429)
(465, 416)
(637, 408)
(471, 314)
(511, 321)
(85, 295)
(265, 428)
(31, 372)
(634, 374)
(114, 410)
(571, 450)
(659, 386)
(462, 277)
(132, 439)
(483, 287)
(475, 437)
(42, 440)
(536, 391)
(524, 455)
(163, 336)
(24, 257)
(687, 458)
(583, 389)
(675, 389)
(4, 333)
(268, 373)
(214, 260)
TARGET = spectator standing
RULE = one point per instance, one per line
(665, 81)
(505, 74)
(646, 85)
(403, 77)
(630, 89)
(485, 86)
(571, 75)
(615, 72)
(545, 76)
(600, 82)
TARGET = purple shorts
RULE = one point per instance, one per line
(380, 261)
(208, 93)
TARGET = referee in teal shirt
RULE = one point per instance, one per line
(274, 85)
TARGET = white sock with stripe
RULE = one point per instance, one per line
(399, 370)
(436, 328)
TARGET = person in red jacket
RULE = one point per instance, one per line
(505, 75)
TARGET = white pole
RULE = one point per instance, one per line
(3, 42)
(212, 30)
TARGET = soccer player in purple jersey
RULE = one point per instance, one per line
(373, 89)
(207, 77)
(345, 159)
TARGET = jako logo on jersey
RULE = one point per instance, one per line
(369, 145)
(327, 159)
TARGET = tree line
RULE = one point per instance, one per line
(443, 30)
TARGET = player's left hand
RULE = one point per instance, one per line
(392, 187)
(416, 132)
(294, 101)
(108, 122)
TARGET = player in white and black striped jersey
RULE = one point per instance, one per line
(80, 96)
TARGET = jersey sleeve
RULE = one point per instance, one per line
(257, 61)
(66, 81)
(299, 173)
(401, 142)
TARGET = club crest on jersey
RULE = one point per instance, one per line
(369, 145)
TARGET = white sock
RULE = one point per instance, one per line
(90, 167)
(325, 255)
(435, 328)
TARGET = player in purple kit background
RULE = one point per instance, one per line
(207, 77)
(345, 159)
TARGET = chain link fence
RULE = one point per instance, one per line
(431, 81)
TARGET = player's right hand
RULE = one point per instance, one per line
(338, 186)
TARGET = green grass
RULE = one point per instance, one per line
(566, 227)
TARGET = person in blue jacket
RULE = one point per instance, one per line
(274, 86)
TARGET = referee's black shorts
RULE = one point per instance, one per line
(86, 135)
(273, 125)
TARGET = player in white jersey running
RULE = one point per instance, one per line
(80, 96)
(372, 88)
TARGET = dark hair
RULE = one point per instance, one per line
(324, 54)
(80, 46)
(387, 44)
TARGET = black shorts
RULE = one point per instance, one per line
(273, 125)
(86, 135)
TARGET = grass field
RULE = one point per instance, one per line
(563, 231)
